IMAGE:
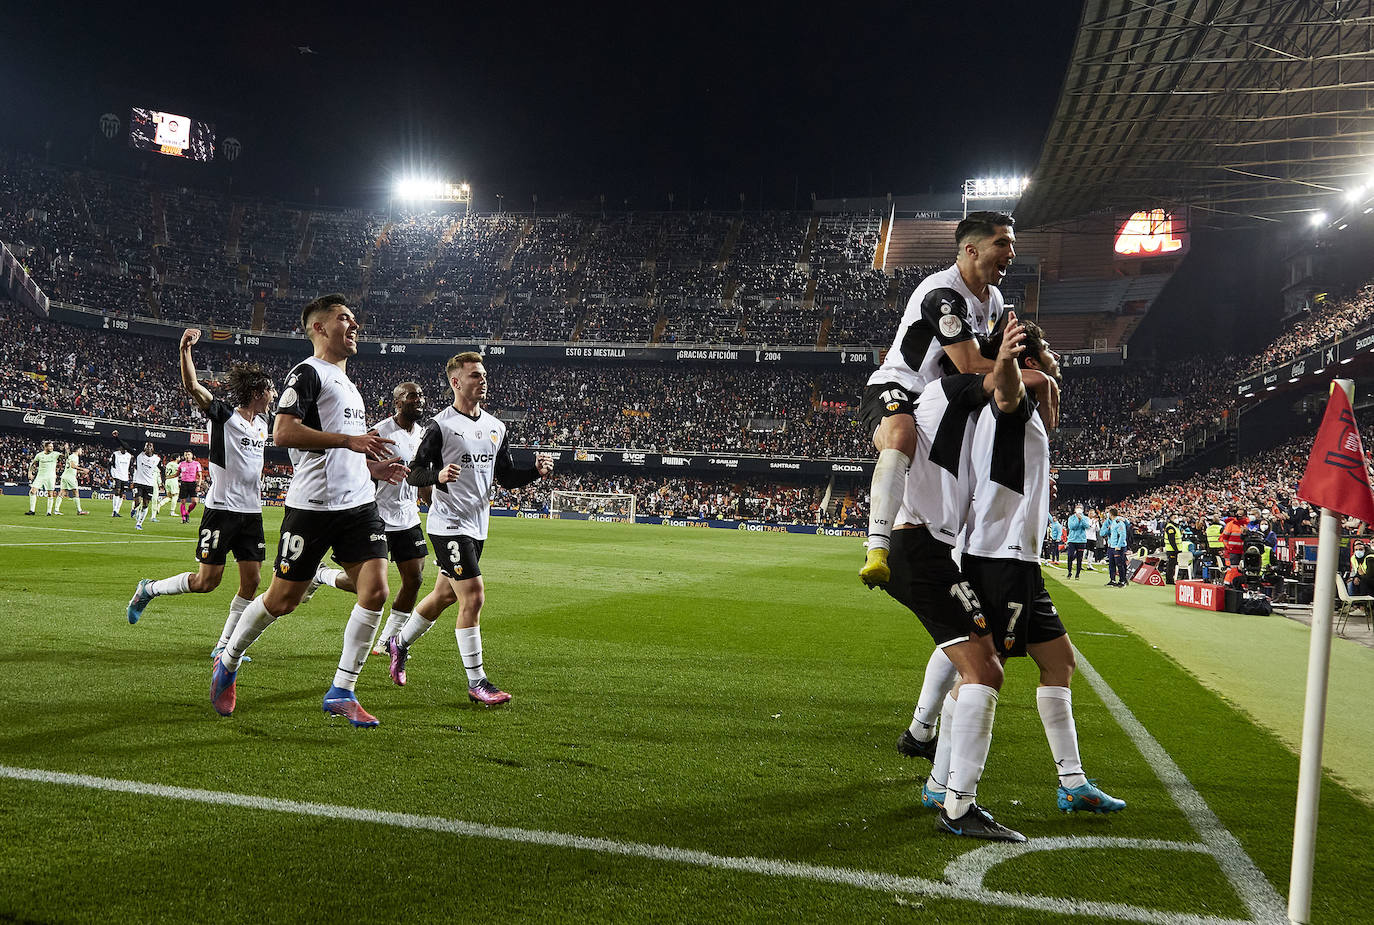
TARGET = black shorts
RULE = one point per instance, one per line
(926, 581)
(406, 544)
(188, 492)
(883, 400)
(223, 532)
(121, 487)
(143, 491)
(1018, 608)
(356, 535)
(457, 556)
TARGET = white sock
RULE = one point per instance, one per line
(358, 632)
(236, 607)
(139, 514)
(939, 681)
(470, 648)
(252, 622)
(49, 504)
(116, 503)
(77, 499)
(177, 584)
(1056, 713)
(414, 628)
(939, 769)
(971, 737)
(58, 506)
(331, 576)
(885, 496)
(394, 622)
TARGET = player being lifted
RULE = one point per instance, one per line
(397, 504)
(232, 521)
(926, 580)
(119, 475)
(43, 477)
(322, 420)
(70, 473)
(946, 323)
(146, 470)
(463, 450)
(1011, 504)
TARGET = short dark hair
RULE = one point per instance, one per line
(461, 359)
(981, 225)
(329, 300)
(1034, 342)
(246, 380)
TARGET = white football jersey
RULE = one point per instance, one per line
(478, 445)
(236, 448)
(399, 504)
(1011, 483)
(120, 470)
(942, 310)
(939, 485)
(146, 469)
(325, 399)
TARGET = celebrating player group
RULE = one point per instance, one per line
(349, 495)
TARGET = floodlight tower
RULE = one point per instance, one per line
(993, 188)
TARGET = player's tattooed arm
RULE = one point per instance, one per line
(189, 382)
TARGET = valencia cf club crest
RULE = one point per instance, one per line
(495, 438)
(284, 567)
(458, 570)
(980, 621)
(892, 406)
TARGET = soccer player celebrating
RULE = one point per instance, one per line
(188, 478)
(146, 466)
(321, 419)
(463, 450)
(946, 321)
(43, 477)
(400, 512)
(926, 580)
(70, 472)
(1011, 500)
(232, 521)
(119, 474)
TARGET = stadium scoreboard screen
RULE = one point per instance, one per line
(171, 134)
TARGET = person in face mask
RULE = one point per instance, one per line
(1078, 542)
(1361, 579)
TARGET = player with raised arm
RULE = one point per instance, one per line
(43, 477)
(1011, 504)
(120, 462)
(147, 465)
(463, 451)
(70, 473)
(321, 419)
(926, 580)
(943, 331)
(232, 522)
(188, 483)
(398, 505)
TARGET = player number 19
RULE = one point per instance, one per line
(292, 545)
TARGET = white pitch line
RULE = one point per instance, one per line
(1254, 889)
(100, 542)
(861, 879)
(47, 529)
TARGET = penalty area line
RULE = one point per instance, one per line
(795, 870)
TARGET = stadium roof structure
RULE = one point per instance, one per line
(1245, 111)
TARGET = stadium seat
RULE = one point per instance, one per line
(1347, 604)
(1184, 570)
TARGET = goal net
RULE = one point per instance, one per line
(591, 502)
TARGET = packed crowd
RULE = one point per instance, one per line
(131, 247)
(1325, 323)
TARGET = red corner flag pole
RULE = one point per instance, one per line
(1337, 482)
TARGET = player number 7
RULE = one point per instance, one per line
(1015, 607)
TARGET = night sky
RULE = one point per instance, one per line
(567, 102)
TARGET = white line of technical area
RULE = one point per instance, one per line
(1251, 885)
(140, 542)
(862, 879)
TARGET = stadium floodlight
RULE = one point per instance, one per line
(422, 190)
(993, 188)
(1318, 219)
(1355, 194)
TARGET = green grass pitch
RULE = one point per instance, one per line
(729, 694)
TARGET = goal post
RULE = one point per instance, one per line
(593, 502)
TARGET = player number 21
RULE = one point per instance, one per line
(292, 545)
(209, 539)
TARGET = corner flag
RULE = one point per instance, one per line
(1336, 478)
